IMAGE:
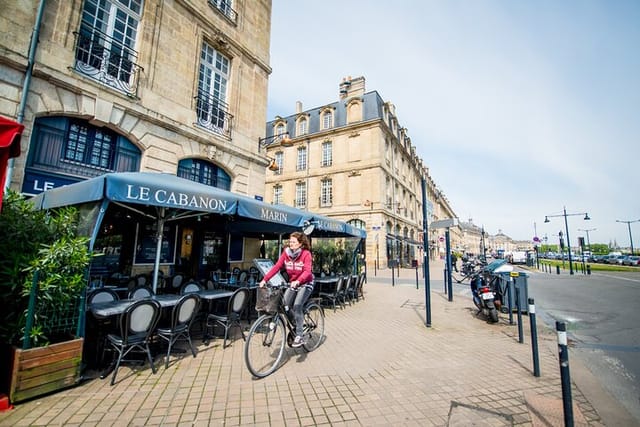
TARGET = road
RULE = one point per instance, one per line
(602, 312)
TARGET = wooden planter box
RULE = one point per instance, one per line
(42, 370)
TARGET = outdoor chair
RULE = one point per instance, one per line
(102, 295)
(231, 317)
(335, 296)
(137, 324)
(360, 287)
(140, 292)
(102, 325)
(182, 316)
(176, 282)
(189, 287)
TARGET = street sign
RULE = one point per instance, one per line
(441, 239)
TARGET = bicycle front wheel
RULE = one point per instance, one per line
(264, 347)
(459, 277)
(313, 326)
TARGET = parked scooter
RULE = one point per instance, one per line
(487, 295)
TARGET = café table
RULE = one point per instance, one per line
(102, 310)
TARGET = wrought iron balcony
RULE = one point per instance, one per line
(224, 7)
(107, 60)
(213, 114)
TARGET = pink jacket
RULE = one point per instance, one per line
(299, 270)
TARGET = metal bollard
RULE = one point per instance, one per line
(534, 338)
(417, 286)
(557, 269)
(393, 277)
(445, 280)
(565, 376)
(588, 269)
(519, 313)
(509, 291)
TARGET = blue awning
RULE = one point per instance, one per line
(142, 188)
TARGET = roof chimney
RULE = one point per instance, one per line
(298, 107)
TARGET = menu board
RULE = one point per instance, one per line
(264, 265)
(146, 244)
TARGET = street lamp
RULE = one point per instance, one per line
(566, 226)
(629, 226)
(587, 231)
(285, 141)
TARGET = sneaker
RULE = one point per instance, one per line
(298, 342)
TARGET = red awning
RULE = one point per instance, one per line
(10, 133)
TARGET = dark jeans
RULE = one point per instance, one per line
(299, 297)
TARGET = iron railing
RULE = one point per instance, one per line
(107, 60)
(213, 114)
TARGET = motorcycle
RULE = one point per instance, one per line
(487, 295)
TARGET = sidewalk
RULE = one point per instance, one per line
(380, 365)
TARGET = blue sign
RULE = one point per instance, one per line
(37, 182)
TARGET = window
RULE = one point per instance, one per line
(301, 195)
(90, 146)
(212, 109)
(225, 7)
(327, 153)
(205, 173)
(302, 127)
(326, 192)
(76, 147)
(279, 161)
(280, 130)
(277, 194)
(301, 164)
(106, 40)
(327, 120)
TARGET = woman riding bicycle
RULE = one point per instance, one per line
(297, 261)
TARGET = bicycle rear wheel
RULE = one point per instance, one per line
(313, 326)
(264, 347)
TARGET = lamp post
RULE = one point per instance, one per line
(629, 226)
(587, 231)
(284, 140)
(566, 226)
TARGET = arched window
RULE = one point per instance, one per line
(74, 147)
(327, 119)
(303, 127)
(205, 173)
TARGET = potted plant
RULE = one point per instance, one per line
(43, 274)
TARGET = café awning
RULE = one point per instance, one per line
(10, 134)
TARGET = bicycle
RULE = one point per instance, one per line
(265, 343)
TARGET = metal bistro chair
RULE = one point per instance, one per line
(189, 287)
(182, 316)
(235, 308)
(140, 292)
(137, 324)
(351, 292)
(336, 296)
(103, 325)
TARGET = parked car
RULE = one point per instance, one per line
(616, 259)
(632, 260)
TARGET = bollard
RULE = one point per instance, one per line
(519, 314)
(445, 280)
(588, 269)
(417, 286)
(565, 377)
(393, 277)
(557, 269)
(534, 338)
(509, 291)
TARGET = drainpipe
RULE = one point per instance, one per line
(27, 82)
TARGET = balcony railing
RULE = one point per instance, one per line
(213, 114)
(224, 7)
(107, 60)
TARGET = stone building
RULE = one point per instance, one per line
(139, 85)
(352, 160)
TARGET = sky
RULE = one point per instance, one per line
(520, 109)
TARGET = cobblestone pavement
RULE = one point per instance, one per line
(379, 365)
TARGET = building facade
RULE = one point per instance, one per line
(352, 160)
(139, 85)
